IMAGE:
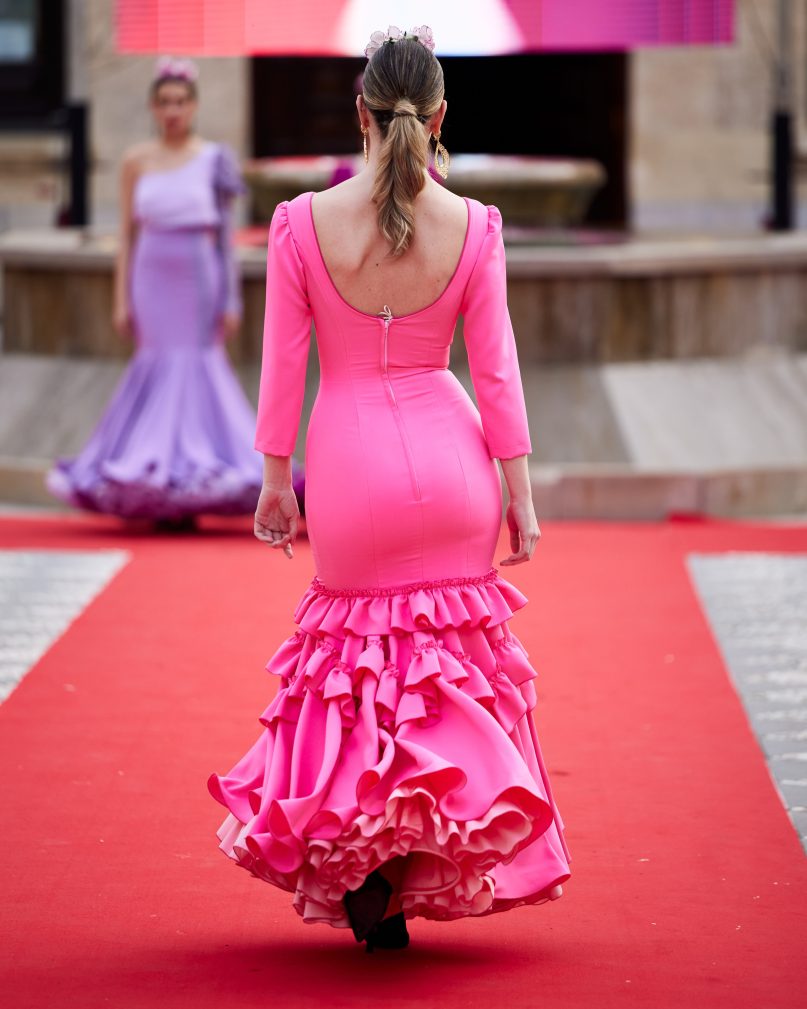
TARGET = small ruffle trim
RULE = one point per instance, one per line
(400, 729)
(404, 590)
(485, 601)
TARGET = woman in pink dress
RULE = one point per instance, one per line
(398, 773)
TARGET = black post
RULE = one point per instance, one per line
(77, 115)
(782, 165)
(781, 173)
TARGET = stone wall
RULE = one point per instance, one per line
(698, 158)
(699, 127)
(31, 176)
(32, 183)
(636, 301)
(118, 87)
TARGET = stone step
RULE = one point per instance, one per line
(616, 441)
(622, 493)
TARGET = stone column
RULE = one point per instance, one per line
(699, 121)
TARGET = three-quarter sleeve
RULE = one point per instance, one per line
(491, 348)
(228, 183)
(286, 339)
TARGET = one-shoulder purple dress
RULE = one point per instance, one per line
(176, 439)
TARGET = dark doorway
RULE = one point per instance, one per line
(558, 104)
(31, 60)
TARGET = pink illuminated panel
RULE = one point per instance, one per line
(621, 24)
(342, 27)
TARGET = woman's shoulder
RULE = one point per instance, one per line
(487, 213)
(137, 155)
(289, 224)
(452, 208)
(435, 198)
(300, 200)
(293, 213)
(226, 170)
(343, 198)
(219, 148)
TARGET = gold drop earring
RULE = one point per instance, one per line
(442, 159)
(364, 132)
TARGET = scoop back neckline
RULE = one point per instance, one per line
(376, 315)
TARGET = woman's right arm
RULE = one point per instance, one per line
(121, 311)
(286, 339)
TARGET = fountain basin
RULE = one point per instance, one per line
(531, 192)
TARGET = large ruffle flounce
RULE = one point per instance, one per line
(402, 727)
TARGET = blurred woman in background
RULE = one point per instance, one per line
(176, 438)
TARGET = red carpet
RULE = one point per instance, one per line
(688, 885)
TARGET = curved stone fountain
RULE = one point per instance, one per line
(532, 193)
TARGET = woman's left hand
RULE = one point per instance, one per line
(524, 531)
(230, 324)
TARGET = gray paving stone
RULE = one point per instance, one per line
(794, 791)
(756, 605)
(41, 593)
(799, 817)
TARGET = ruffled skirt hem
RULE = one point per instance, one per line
(222, 493)
(402, 730)
(174, 440)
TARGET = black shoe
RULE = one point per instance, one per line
(367, 906)
(180, 524)
(390, 933)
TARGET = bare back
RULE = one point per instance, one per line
(357, 255)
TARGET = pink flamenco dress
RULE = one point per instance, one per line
(402, 727)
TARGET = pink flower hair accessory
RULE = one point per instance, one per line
(422, 34)
(168, 66)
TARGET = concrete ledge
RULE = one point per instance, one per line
(636, 256)
(622, 441)
(639, 300)
(624, 493)
(22, 482)
(675, 255)
(82, 250)
(570, 492)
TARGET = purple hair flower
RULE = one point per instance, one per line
(422, 34)
(168, 66)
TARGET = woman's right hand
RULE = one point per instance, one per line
(277, 517)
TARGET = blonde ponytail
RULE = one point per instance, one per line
(403, 88)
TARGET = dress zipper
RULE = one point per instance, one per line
(386, 317)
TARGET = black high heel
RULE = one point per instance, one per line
(367, 906)
(180, 524)
(390, 933)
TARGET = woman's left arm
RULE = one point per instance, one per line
(493, 361)
(491, 347)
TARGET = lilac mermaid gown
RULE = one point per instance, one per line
(176, 439)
